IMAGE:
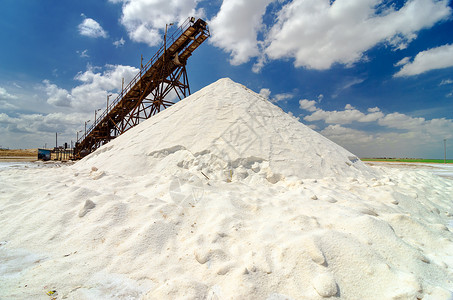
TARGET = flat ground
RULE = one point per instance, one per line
(409, 160)
(18, 154)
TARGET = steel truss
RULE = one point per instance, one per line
(149, 92)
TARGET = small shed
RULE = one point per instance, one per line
(44, 154)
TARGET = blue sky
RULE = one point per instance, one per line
(375, 76)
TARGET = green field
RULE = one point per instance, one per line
(414, 160)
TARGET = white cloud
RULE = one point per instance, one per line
(342, 31)
(69, 107)
(119, 43)
(282, 97)
(348, 83)
(394, 120)
(91, 28)
(373, 109)
(309, 105)
(4, 95)
(432, 59)
(347, 116)
(401, 121)
(364, 144)
(319, 33)
(293, 116)
(393, 134)
(20, 99)
(266, 93)
(5, 119)
(146, 19)
(446, 81)
(313, 126)
(236, 26)
(422, 138)
(83, 53)
(371, 117)
(49, 123)
(5, 105)
(91, 93)
(346, 136)
(56, 95)
(316, 33)
(39, 129)
(402, 62)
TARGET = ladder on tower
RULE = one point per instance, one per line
(145, 95)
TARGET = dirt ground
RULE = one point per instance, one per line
(18, 154)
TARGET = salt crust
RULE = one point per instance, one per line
(224, 196)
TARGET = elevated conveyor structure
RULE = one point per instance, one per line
(145, 95)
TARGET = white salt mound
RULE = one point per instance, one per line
(86, 208)
(224, 196)
(325, 285)
(226, 130)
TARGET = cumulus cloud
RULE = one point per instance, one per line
(48, 122)
(308, 105)
(36, 130)
(341, 31)
(94, 85)
(119, 43)
(146, 19)
(319, 33)
(417, 137)
(401, 121)
(373, 109)
(5, 119)
(364, 144)
(393, 135)
(347, 136)
(432, 59)
(69, 108)
(266, 93)
(5, 105)
(56, 95)
(52, 108)
(281, 97)
(394, 120)
(236, 26)
(91, 28)
(91, 93)
(347, 116)
(315, 33)
(4, 95)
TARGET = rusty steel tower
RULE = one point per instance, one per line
(145, 95)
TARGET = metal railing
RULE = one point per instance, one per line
(169, 41)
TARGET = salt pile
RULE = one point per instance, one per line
(227, 128)
(224, 196)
